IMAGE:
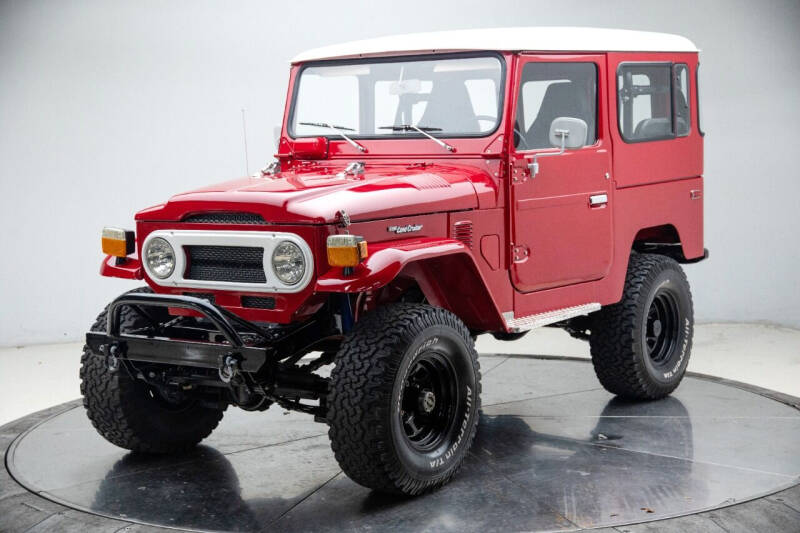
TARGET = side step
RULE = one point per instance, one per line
(525, 323)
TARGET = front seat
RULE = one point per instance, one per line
(450, 108)
(562, 99)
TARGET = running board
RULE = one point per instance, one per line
(525, 323)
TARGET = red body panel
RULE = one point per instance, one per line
(655, 161)
(563, 239)
(312, 193)
(473, 214)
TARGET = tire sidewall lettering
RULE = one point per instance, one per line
(675, 366)
(441, 459)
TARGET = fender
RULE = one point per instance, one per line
(435, 263)
(131, 268)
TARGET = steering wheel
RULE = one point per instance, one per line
(521, 138)
(516, 129)
(487, 118)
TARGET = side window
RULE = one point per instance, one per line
(645, 102)
(699, 107)
(552, 90)
(683, 115)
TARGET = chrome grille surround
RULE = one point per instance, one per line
(181, 240)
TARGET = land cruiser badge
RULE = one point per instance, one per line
(410, 228)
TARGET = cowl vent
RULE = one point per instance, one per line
(224, 218)
(462, 231)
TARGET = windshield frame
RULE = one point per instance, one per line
(399, 59)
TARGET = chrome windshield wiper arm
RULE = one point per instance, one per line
(423, 130)
(338, 130)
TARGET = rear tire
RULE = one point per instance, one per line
(127, 413)
(404, 399)
(640, 346)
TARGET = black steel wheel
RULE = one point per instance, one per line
(641, 345)
(662, 327)
(428, 401)
(404, 399)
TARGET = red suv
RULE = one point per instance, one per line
(427, 189)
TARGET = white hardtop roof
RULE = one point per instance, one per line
(543, 38)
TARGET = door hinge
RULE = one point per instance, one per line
(520, 253)
(518, 175)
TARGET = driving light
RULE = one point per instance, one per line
(160, 257)
(346, 250)
(288, 263)
(118, 242)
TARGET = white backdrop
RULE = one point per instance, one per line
(108, 107)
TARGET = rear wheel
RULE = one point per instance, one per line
(404, 399)
(132, 415)
(641, 345)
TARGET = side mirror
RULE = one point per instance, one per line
(568, 132)
(565, 132)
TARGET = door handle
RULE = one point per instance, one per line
(598, 199)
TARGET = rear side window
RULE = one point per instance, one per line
(699, 107)
(654, 102)
(645, 101)
(553, 90)
(683, 115)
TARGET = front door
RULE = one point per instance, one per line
(561, 220)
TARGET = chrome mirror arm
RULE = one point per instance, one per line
(533, 166)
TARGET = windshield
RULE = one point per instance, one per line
(451, 97)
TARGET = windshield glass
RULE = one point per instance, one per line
(450, 97)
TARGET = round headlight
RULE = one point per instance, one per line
(288, 263)
(160, 258)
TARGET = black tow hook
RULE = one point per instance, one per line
(229, 367)
(113, 353)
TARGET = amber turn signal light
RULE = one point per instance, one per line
(118, 242)
(346, 250)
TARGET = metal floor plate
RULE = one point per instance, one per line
(554, 451)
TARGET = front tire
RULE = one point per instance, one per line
(128, 413)
(640, 346)
(404, 399)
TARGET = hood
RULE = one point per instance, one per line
(313, 193)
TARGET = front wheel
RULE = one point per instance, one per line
(404, 399)
(641, 345)
(132, 415)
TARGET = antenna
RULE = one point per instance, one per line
(244, 136)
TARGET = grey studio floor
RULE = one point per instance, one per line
(555, 452)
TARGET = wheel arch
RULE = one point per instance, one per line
(665, 239)
(444, 269)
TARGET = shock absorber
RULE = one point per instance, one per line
(346, 312)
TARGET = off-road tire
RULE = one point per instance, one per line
(618, 334)
(126, 413)
(367, 398)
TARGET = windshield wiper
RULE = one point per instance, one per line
(337, 129)
(423, 130)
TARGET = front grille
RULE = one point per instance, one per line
(258, 302)
(238, 264)
(224, 218)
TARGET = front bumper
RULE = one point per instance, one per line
(169, 350)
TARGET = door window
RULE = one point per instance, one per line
(553, 90)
